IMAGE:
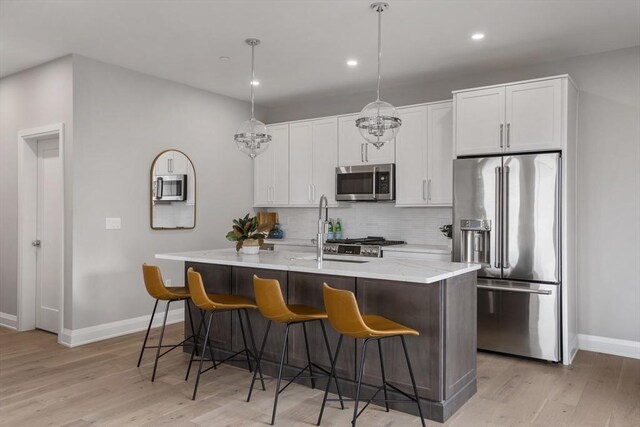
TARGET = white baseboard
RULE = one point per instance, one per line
(76, 337)
(8, 321)
(617, 347)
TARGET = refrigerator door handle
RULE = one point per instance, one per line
(498, 225)
(505, 229)
(521, 290)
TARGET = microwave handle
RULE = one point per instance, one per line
(375, 180)
(159, 185)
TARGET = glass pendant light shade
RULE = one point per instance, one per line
(252, 137)
(378, 123)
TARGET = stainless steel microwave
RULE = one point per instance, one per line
(366, 183)
(170, 188)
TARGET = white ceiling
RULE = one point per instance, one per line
(305, 43)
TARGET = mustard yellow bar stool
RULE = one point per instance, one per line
(272, 306)
(344, 316)
(156, 288)
(217, 303)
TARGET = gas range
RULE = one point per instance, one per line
(365, 247)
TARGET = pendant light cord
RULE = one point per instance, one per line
(252, 83)
(379, 47)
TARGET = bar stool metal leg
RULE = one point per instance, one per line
(244, 340)
(194, 350)
(306, 344)
(193, 332)
(144, 344)
(253, 347)
(360, 375)
(164, 323)
(326, 343)
(258, 369)
(204, 348)
(284, 352)
(413, 380)
(332, 374)
(384, 379)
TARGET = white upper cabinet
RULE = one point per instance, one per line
(440, 153)
(517, 117)
(172, 162)
(533, 116)
(271, 170)
(411, 157)
(354, 150)
(300, 162)
(325, 159)
(480, 121)
(424, 155)
(313, 160)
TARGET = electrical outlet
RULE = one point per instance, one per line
(167, 282)
(113, 223)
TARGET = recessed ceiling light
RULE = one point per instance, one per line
(352, 63)
(224, 58)
(477, 36)
(255, 83)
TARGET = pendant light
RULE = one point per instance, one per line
(253, 136)
(379, 121)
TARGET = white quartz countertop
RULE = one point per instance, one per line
(404, 270)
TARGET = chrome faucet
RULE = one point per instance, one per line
(322, 226)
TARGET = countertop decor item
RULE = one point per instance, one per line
(253, 136)
(379, 121)
(248, 234)
(446, 230)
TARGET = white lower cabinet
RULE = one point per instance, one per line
(424, 155)
(354, 150)
(313, 149)
(271, 170)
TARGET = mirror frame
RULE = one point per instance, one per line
(195, 192)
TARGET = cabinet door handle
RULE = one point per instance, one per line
(361, 153)
(508, 135)
(501, 134)
(366, 152)
(313, 193)
(309, 192)
(429, 189)
(424, 189)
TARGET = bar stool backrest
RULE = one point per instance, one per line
(270, 300)
(154, 283)
(344, 314)
(198, 293)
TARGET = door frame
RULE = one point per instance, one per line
(27, 223)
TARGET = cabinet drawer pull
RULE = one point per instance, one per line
(429, 189)
(508, 135)
(501, 134)
(424, 189)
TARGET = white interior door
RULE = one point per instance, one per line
(49, 235)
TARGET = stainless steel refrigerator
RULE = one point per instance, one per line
(506, 216)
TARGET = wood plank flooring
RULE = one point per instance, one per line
(45, 384)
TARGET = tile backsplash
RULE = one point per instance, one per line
(414, 225)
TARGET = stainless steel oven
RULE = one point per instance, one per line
(170, 188)
(369, 183)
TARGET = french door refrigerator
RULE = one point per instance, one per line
(506, 216)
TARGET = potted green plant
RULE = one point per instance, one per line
(248, 234)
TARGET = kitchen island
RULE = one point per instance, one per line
(437, 298)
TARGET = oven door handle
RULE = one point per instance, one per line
(375, 180)
(521, 290)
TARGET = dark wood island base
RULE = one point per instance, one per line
(443, 356)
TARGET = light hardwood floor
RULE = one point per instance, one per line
(43, 383)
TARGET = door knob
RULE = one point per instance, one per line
(36, 243)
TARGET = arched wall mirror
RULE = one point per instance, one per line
(173, 191)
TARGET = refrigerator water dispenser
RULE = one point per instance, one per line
(476, 241)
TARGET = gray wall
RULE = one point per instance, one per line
(608, 172)
(36, 97)
(123, 119)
